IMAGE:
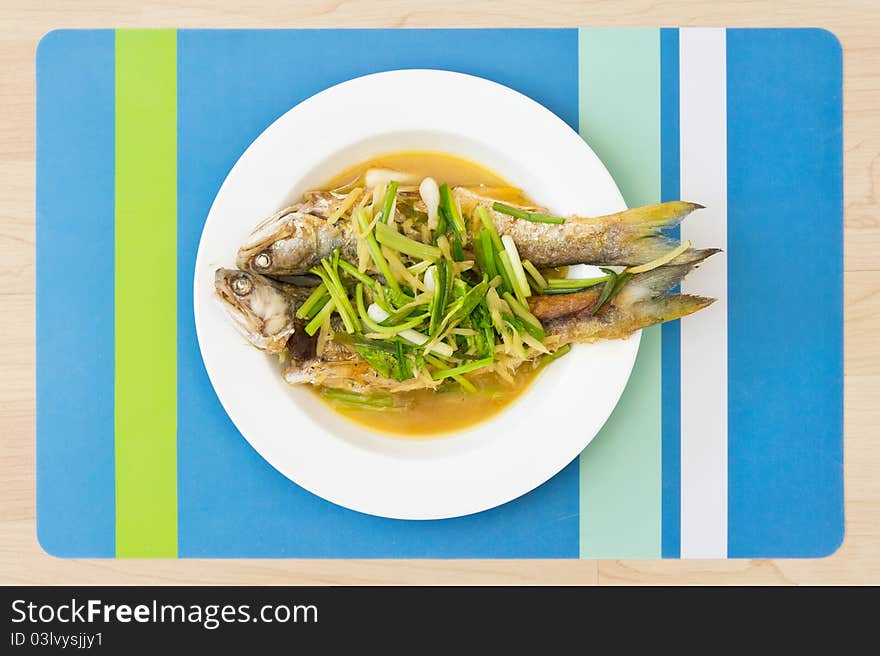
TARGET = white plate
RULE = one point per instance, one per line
(465, 472)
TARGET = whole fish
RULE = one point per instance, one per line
(299, 237)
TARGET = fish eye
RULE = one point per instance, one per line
(262, 261)
(242, 285)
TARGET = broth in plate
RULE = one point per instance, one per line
(428, 413)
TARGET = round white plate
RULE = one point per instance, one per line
(453, 475)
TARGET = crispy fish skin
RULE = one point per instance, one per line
(262, 309)
(626, 238)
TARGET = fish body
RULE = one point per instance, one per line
(297, 238)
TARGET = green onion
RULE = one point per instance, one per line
(466, 385)
(388, 236)
(330, 277)
(357, 274)
(519, 275)
(376, 252)
(485, 254)
(374, 326)
(355, 399)
(462, 369)
(569, 285)
(390, 194)
(457, 251)
(505, 268)
(547, 358)
(527, 216)
(532, 270)
(607, 288)
(490, 227)
(313, 303)
(530, 321)
(447, 202)
(318, 320)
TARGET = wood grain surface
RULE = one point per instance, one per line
(855, 22)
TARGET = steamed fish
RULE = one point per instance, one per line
(297, 238)
(416, 287)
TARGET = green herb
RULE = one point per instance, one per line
(569, 285)
(376, 252)
(357, 400)
(489, 226)
(318, 320)
(357, 274)
(450, 209)
(462, 369)
(532, 270)
(547, 358)
(388, 236)
(528, 216)
(313, 303)
(457, 251)
(390, 194)
(530, 321)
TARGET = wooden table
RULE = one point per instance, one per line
(856, 23)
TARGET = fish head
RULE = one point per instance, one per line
(289, 242)
(260, 308)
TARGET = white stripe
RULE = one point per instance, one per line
(703, 116)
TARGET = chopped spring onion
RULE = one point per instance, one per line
(430, 193)
(505, 268)
(530, 321)
(318, 320)
(388, 236)
(387, 211)
(462, 369)
(466, 385)
(373, 325)
(421, 267)
(442, 290)
(330, 278)
(516, 266)
(532, 270)
(419, 339)
(358, 400)
(569, 285)
(357, 274)
(489, 225)
(430, 277)
(377, 177)
(453, 213)
(313, 303)
(544, 360)
(376, 252)
(607, 289)
(528, 216)
(457, 251)
(660, 261)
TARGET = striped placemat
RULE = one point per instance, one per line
(728, 439)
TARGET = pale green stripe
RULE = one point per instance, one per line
(146, 293)
(620, 484)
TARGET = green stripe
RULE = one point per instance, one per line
(619, 98)
(146, 296)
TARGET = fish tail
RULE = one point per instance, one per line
(662, 215)
(642, 228)
(658, 282)
(667, 308)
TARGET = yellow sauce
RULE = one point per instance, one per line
(427, 413)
